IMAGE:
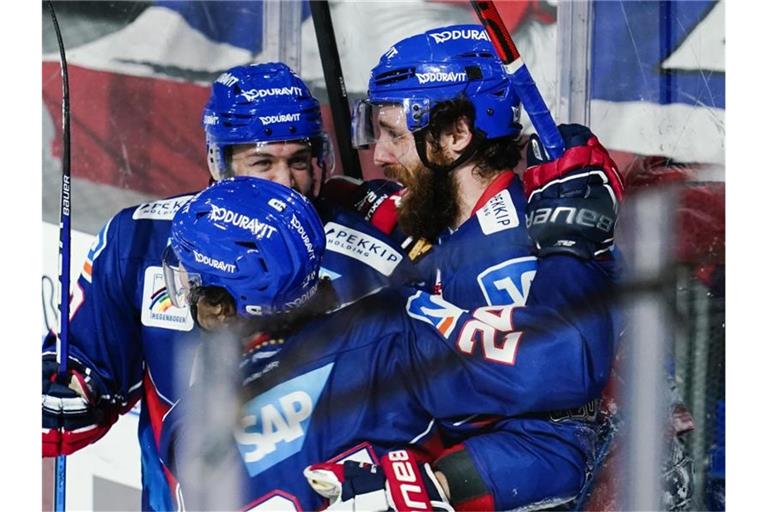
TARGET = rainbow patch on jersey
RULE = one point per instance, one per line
(434, 310)
(97, 247)
(157, 310)
(161, 301)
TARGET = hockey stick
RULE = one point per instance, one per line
(337, 90)
(521, 78)
(62, 340)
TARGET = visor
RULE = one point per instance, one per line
(321, 149)
(178, 281)
(384, 125)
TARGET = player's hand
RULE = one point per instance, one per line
(573, 201)
(399, 483)
(71, 417)
(375, 200)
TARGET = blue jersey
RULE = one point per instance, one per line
(489, 259)
(126, 330)
(312, 400)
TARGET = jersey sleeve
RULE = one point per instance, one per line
(104, 326)
(509, 360)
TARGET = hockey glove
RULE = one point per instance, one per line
(573, 202)
(375, 200)
(399, 483)
(72, 414)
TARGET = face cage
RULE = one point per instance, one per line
(321, 147)
(178, 281)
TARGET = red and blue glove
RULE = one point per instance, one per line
(74, 415)
(399, 483)
(375, 200)
(573, 201)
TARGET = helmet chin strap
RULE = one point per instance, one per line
(420, 137)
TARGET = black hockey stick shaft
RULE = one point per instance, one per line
(62, 339)
(337, 90)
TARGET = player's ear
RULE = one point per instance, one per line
(457, 135)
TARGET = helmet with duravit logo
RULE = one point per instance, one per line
(259, 240)
(260, 103)
(442, 64)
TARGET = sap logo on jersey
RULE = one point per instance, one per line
(160, 210)
(498, 214)
(274, 425)
(362, 247)
(157, 310)
(425, 78)
(255, 226)
(449, 35)
(435, 310)
(281, 118)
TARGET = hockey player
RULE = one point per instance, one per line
(125, 334)
(308, 398)
(443, 119)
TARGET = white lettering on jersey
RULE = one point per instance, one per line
(164, 209)
(274, 424)
(498, 214)
(490, 324)
(156, 307)
(449, 35)
(362, 247)
(278, 424)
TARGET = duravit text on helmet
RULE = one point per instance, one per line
(425, 78)
(213, 263)
(449, 35)
(281, 118)
(253, 94)
(296, 224)
(255, 226)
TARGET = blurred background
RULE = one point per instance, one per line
(648, 77)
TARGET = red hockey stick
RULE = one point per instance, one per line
(520, 76)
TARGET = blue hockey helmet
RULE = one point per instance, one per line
(259, 240)
(441, 64)
(261, 104)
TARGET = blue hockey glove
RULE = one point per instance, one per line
(573, 201)
(400, 483)
(72, 414)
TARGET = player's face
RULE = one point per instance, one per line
(395, 149)
(287, 163)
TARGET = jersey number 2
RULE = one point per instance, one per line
(492, 329)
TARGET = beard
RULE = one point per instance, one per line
(431, 203)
